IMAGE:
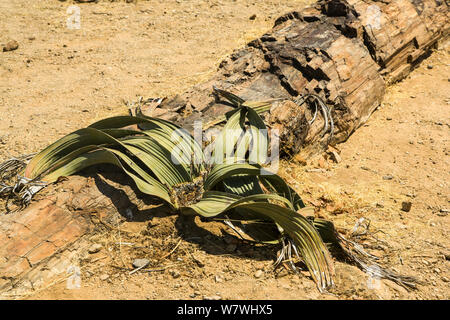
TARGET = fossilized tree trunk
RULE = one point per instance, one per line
(344, 51)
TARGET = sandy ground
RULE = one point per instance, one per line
(59, 80)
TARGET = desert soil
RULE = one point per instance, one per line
(59, 80)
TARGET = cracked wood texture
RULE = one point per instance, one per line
(344, 51)
(51, 236)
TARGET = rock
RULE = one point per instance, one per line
(11, 45)
(3, 139)
(430, 66)
(252, 17)
(216, 297)
(388, 177)
(406, 206)
(228, 278)
(258, 274)
(218, 279)
(335, 156)
(95, 248)
(199, 262)
(282, 273)
(140, 263)
(104, 277)
(322, 163)
(175, 274)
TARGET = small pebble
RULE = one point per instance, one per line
(140, 263)
(95, 248)
(406, 206)
(175, 274)
(104, 277)
(335, 157)
(11, 45)
(258, 274)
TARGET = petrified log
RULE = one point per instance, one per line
(51, 236)
(343, 51)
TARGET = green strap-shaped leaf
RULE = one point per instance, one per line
(150, 153)
(232, 98)
(157, 159)
(183, 151)
(125, 121)
(156, 127)
(312, 249)
(273, 182)
(259, 151)
(220, 172)
(47, 158)
(242, 185)
(144, 181)
(225, 143)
